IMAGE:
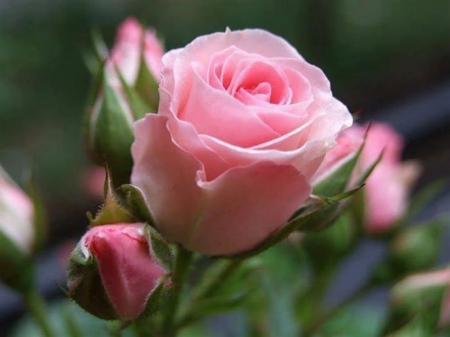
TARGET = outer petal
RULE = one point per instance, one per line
(167, 176)
(244, 206)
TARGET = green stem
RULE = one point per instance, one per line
(310, 304)
(219, 279)
(38, 310)
(316, 324)
(181, 267)
(207, 288)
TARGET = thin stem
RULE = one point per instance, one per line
(312, 328)
(208, 287)
(214, 284)
(310, 304)
(38, 310)
(182, 263)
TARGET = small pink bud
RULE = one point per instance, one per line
(387, 188)
(16, 214)
(127, 271)
(132, 39)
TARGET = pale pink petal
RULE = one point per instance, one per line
(167, 176)
(216, 113)
(236, 214)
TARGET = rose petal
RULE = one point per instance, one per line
(220, 115)
(167, 176)
(235, 214)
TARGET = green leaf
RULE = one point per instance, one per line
(159, 249)
(112, 210)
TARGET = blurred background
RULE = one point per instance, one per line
(387, 60)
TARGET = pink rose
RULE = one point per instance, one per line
(243, 123)
(131, 38)
(128, 272)
(16, 214)
(387, 188)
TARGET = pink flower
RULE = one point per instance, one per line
(128, 272)
(387, 188)
(132, 40)
(243, 123)
(16, 214)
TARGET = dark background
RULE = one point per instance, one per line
(386, 59)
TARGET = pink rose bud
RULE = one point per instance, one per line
(128, 90)
(243, 124)
(16, 214)
(111, 272)
(18, 235)
(387, 188)
(421, 294)
(132, 41)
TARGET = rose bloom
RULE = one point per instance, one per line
(243, 123)
(387, 188)
(16, 214)
(128, 272)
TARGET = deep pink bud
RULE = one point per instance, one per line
(127, 271)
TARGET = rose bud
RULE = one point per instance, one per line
(242, 125)
(420, 294)
(386, 190)
(17, 234)
(16, 214)
(127, 90)
(411, 250)
(112, 273)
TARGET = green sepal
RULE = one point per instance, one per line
(161, 291)
(337, 240)
(110, 132)
(138, 106)
(16, 267)
(146, 85)
(136, 203)
(159, 249)
(112, 211)
(86, 286)
(336, 182)
(94, 60)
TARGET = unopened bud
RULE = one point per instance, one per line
(112, 273)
